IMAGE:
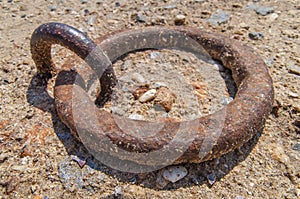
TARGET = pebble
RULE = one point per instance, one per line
(79, 161)
(218, 18)
(169, 6)
(226, 100)
(262, 10)
(256, 35)
(52, 8)
(158, 85)
(244, 26)
(219, 67)
(148, 96)
(141, 18)
(293, 94)
(273, 17)
(154, 55)
(84, 1)
(24, 160)
(294, 69)
(138, 78)
(239, 197)
(92, 20)
(179, 19)
(296, 147)
(118, 191)
(21, 168)
(165, 98)
(174, 173)
(211, 178)
(135, 116)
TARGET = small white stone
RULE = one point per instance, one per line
(219, 67)
(118, 191)
(159, 85)
(174, 173)
(226, 100)
(92, 20)
(244, 26)
(148, 96)
(294, 69)
(292, 94)
(273, 17)
(154, 55)
(179, 19)
(135, 116)
(21, 168)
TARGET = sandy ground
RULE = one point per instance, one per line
(36, 149)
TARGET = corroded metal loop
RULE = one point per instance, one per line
(49, 34)
(243, 117)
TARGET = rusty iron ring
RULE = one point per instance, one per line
(244, 116)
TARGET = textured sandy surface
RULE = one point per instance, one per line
(36, 149)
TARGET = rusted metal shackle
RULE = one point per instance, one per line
(243, 117)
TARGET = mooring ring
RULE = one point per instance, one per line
(243, 117)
